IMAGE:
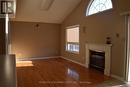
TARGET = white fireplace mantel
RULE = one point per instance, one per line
(100, 48)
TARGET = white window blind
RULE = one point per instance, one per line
(72, 39)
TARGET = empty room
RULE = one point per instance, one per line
(64, 43)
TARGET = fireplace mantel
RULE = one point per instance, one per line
(100, 48)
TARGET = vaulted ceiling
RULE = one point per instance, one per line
(32, 11)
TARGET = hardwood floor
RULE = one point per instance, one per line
(56, 73)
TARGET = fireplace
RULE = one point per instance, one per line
(99, 56)
(97, 60)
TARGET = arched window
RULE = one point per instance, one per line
(96, 6)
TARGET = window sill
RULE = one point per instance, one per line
(100, 13)
(73, 52)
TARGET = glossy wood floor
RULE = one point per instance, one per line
(56, 73)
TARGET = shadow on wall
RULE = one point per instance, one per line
(30, 39)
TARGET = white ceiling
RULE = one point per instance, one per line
(30, 10)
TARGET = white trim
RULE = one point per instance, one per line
(73, 61)
(118, 77)
(74, 52)
(72, 26)
(52, 57)
(112, 75)
(126, 64)
(89, 5)
(128, 51)
(100, 47)
(125, 13)
(36, 58)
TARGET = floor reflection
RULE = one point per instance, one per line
(56, 73)
(73, 74)
(24, 64)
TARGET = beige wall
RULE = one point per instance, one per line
(95, 29)
(27, 40)
(124, 6)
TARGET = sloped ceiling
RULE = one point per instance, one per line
(30, 10)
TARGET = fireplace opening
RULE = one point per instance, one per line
(97, 60)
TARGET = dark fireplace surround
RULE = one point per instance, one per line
(97, 60)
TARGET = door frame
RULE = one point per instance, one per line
(127, 48)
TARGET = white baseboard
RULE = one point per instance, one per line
(112, 75)
(74, 61)
(52, 57)
(36, 58)
(118, 77)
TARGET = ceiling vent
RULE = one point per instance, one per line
(46, 4)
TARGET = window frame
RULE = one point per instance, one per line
(66, 43)
(89, 5)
